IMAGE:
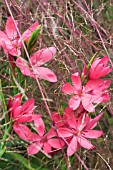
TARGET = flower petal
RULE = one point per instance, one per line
(23, 131)
(93, 122)
(67, 88)
(40, 127)
(76, 80)
(85, 143)
(24, 118)
(73, 146)
(56, 143)
(24, 67)
(57, 119)
(10, 28)
(42, 56)
(52, 133)
(70, 118)
(34, 148)
(13, 51)
(92, 133)
(17, 112)
(46, 74)
(83, 120)
(35, 138)
(47, 147)
(106, 71)
(3, 37)
(87, 103)
(64, 132)
(17, 99)
(35, 116)
(105, 97)
(16, 102)
(28, 107)
(104, 60)
(74, 102)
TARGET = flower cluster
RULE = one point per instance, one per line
(74, 127)
(68, 131)
(20, 114)
(12, 44)
(95, 89)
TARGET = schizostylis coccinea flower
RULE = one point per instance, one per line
(94, 91)
(37, 59)
(10, 40)
(77, 132)
(99, 68)
(21, 113)
(44, 140)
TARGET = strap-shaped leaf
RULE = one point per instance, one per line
(33, 39)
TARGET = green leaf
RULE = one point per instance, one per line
(21, 159)
(23, 51)
(3, 142)
(33, 39)
(2, 99)
(11, 74)
(2, 151)
(4, 107)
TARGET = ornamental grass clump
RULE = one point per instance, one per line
(50, 113)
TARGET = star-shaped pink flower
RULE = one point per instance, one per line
(37, 59)
(10, 40)
(21, 113)
(99, 68)
(95, 91)
(44, 140)
(77, 132)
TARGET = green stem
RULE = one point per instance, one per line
(7, 131)
(4, 107)
(11, 73)
(91, 61)
(85, 79)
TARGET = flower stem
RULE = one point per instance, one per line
(4, 107)
(2, 147)
(85, 79)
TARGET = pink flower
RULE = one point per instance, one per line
(21, 113)
(78, 130)
(59, 120)
(95, 91)
(44, 140)
(9, 39)
(99, 69)
(37, 59)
